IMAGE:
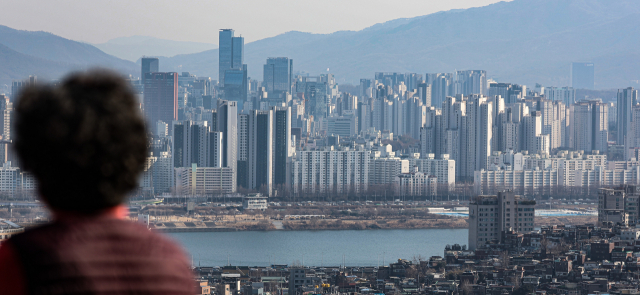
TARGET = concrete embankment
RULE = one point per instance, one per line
(194, 229)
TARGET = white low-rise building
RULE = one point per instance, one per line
(444, 168)
(329, 170)
(254, 202)
(415, 184)
(15, 182)
(492, 181)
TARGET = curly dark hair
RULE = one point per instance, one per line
(84, 140)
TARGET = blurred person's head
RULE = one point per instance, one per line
(84, 141)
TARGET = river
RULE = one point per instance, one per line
(316, 248)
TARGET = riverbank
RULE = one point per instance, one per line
(566, 220)
(348, 224)
(215, 219)
(359, 224)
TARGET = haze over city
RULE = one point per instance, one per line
(335, 147)
(198, 21)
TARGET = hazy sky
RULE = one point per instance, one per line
(199, 20)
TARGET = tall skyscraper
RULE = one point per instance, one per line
(627, 99)
(161, 97)
(472, 82)
(283, 149)
(260, 153)
(149, 65)
(243, 150)
(363, 112)
(315, 94)
(195, 143)
(230, 53)
(476, 135)
(278, 74)
(582, 75)
(227, 123)
(590, 125)
(235, 84)
(6, 112)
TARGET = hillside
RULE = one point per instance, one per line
(16, 65)
(523, 41)
(25, 53)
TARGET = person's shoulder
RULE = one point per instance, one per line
(33, 234)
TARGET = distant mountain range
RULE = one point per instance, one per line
(24, 53)
(132, 48)
(522, 41)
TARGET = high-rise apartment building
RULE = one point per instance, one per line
(343, 126)
(410, 80)
(282, 146)
(443, 168)
(316, 96)
(157, 175)
(627, 99)
(471, 82)
(441, 87)
(149, 65)
(278, 74)
(227, 123)
(476, 135)
(567, 95)
(366, 89)
(590, 125)
(424, 93)
(330, 171)
(195, 143)
(161, 97)
(243, 150)
(511, 93)
(582, 75)
(363, 113)
(260, 152)
(619, 205)
(554, 122)
(415, 183)
(6, 113)
(532, 138)
(489, 216)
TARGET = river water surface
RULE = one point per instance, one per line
(316, 248)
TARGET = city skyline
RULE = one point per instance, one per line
(355, 54)
(486, 132)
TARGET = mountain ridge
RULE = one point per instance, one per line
(50, 56)
(537, 45)
(521, 41)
